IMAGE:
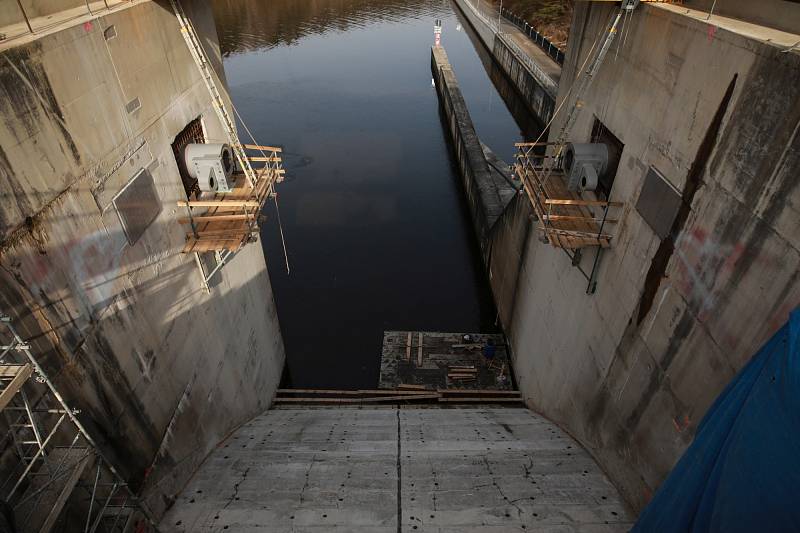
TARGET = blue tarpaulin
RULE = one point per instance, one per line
(742, 471)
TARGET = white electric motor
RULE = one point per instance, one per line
(584, 163)
(211, 165)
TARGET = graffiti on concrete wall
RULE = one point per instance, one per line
(703, 263)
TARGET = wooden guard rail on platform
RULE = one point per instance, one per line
(566, 220)
(230, 220)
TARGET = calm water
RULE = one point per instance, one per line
(378, 234)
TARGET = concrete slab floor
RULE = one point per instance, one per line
(398, 470)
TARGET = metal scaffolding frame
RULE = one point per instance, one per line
(54, 473)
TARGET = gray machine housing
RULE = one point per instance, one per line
(584, 163)
(211, 165)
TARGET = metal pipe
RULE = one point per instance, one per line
(119, 513)
(33, 460)
(33, 422)
(91, 502)
(103, 510)
(711, 12)
(25, 16)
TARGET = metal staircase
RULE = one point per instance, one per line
(55, 477)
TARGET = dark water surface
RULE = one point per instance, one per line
(378, 234)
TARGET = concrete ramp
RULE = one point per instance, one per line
(487, 470)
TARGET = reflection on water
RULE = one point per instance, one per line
(530, 125)
(247, 25)
(378, 232)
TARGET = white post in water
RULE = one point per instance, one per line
(437, 33)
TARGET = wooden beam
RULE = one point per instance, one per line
(209, 245)
(218, 203)
(380, 399)
(265, 148)
(216, 218)
(582, 202)
(408, 347)
(520, 145)
(482, 391)
(411, 386)
(344, 392)
(22, 375)
(463, 399)
(66, 491)
(419, 352)
(577, 233)
(268, 159)
(10, 371)
(565, 217)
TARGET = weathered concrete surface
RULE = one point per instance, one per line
(160, 370)
(631, 370)
(531, 71)
(487, 191)
(49, 16)
(440, 470)
(778, 14)
(540, 96)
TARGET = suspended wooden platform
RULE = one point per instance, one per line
(566, 220)
(228, 221)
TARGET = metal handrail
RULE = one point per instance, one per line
(555, 53)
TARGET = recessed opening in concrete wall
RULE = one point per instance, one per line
(192, 133)
(601, 134)
(110, 32)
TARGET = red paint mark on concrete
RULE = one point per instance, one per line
(88, 26)
(712, 30)
(681, 424)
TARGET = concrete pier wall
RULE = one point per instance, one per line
(538, 94)
(711, 112)
(160, 369)
(500, 212)
(483, 190)
(537, 87)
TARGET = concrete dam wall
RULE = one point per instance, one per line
(684, 297)
(160, 369)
